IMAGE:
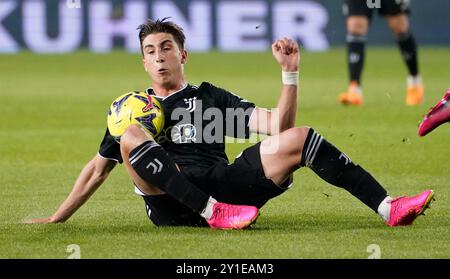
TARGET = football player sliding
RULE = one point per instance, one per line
(183, 174)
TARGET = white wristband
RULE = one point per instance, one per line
(289, 78)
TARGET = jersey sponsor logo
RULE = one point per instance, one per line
(184, 133)
(191, 104)
(164, 135)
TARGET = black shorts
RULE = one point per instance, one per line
(241, 182)
(384, 7)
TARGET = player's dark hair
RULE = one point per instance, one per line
(161, 26)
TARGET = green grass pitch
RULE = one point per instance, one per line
(53, 115)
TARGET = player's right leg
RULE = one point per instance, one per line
(150, 167)
(358, 17)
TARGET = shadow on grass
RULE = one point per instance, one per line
(290, 223)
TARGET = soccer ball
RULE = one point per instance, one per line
(135, 108)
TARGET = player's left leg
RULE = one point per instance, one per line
(148, 164)
(302, 146)
(399, 25)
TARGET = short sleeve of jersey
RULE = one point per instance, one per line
(237, 111)
(109, 148)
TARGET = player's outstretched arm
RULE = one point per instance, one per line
(91, 177)
(287, 53)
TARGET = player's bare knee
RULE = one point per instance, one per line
(133, 137)
(298, 136)
(398, 24)
(357, 25)
(399, 30)
(298, 132)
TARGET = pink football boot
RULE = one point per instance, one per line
(436, 116)
(404, 210)
(229, 216)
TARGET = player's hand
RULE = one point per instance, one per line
(287, 54)
(47, 220)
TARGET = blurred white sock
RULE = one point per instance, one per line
(414, 80)
(384, 208)
(353, 87)
(208, 210)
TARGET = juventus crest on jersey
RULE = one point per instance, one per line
(191, 104)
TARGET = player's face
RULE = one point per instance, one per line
(163, 60)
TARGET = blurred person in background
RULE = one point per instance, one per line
(359, 15)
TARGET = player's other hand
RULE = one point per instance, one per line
(287, 53)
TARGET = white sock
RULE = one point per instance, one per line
(355, 88)
(208, 210)
(414, 80)
(384, 208)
